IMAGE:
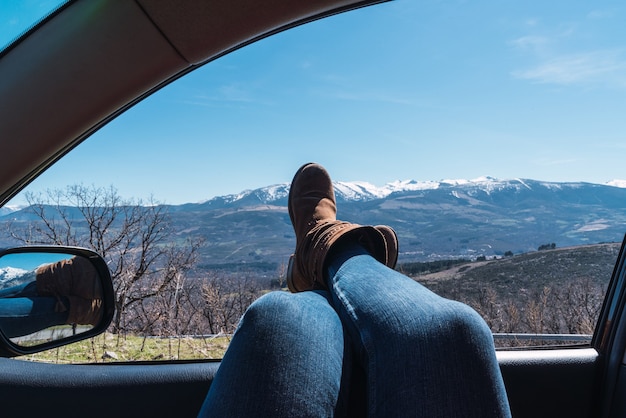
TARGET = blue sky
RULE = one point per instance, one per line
(422, 90)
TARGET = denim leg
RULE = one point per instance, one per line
(28, 289)
(23, 312)
(424, 356)
(285, 360)
(25, 315)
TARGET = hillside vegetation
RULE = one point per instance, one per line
(557, 291)
(552, 291)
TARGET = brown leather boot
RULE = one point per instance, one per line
(313, 211)
(391, 241)
(75, 280)
(73, 277)
(84, 311)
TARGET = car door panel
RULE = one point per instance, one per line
(550, 382)
(104, 390)
(544, 383)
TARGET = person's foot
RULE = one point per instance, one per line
(312, 210)
(311, 202)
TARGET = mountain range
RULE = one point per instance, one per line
(446, 219)
(434, 220)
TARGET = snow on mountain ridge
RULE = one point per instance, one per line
(277, 191)
(5, 210)
(9, 273)
(264, 194)
(357, 190)
(12, 276)
(617, 183)
(363, 191)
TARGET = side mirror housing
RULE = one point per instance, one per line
(52, 296)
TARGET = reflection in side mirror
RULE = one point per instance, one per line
(51, 296)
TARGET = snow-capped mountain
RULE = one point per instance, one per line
(617, 183)
(344, 190)
(446, 218)
(433, 219)
(11, 276)
(5, 210)
(361, 191)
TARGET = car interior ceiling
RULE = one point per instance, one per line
(122, 52)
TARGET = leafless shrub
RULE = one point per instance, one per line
(132, 236)
(226, 299)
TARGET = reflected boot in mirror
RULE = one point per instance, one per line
(312, 210)
(84, 311)
(76, 280)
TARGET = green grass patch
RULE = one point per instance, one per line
(111, 348)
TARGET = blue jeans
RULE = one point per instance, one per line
(376, 343)
(23, 311)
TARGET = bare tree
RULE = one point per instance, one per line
(172, 310)
(132, 236)
(226, 299)
(486, 304)
(579, 304)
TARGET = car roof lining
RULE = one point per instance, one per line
(92, 59)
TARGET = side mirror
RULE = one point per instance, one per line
(52, 296)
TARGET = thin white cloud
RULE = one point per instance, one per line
(595, 67)
(549, 162)
(529, 42)
(342, 89)
(225, 95)
(235, 93)
(533, 21)
(600, 14)
(369, 97)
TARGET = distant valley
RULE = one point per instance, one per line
(434, 220)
